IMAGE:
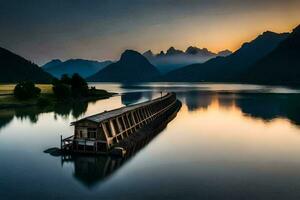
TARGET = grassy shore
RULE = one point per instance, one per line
(6, 89)
(7, 100)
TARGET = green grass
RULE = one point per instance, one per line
(9, 88)
(7, 100)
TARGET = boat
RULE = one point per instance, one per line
(117, 131)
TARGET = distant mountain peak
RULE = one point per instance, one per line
(224, 53)
(195, 50)
(52, 63)
(192, 50)
(132, 67)
(161, 53)
(75, 65)
(148, 54)
(55, 60)
(129, 54)
(173, 51)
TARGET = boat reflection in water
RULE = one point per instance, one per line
(92, 169)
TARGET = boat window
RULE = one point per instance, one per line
(92, 132)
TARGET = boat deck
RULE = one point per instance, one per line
(112, 113)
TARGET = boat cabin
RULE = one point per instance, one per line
(98, 133)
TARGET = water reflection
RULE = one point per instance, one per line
(222, 145)
(264, 106)
(90, 170)
(131, 98)
(6, 116)
(75, 109)
(269, 107)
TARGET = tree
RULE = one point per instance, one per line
(79, 86)
(65, 79)
(26, 90)
(61, 91)
(67, 87)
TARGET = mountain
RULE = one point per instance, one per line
(227, 68)
(175, 58)
(224, 53)
(14, 68)
(52, 63)
(197, 51)
(84, 68)
(132, 67)
(172, 51)
(281, 66)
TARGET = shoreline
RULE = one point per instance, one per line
(10, 102)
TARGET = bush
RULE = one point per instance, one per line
(26, 90)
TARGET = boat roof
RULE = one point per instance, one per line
(112, 113)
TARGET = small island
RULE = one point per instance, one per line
(67, 89)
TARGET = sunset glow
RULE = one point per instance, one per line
(102, 30)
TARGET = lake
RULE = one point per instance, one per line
(228, 141)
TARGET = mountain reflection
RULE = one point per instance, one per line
(130, 98)
(263, 106)
(76, 109)
(269, 107)
(256, 105)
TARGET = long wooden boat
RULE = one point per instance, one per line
(111, 131)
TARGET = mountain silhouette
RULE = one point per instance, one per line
(281, 66)
(14, 68)
(227, 68)
(173, 51)
(197, 51)
(132, 67)
(52, 63)
(83, 67)
(175, 58)
(224, 53)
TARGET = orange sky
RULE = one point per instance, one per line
(103, 30)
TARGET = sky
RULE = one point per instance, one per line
(42, 30)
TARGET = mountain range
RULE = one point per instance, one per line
(281, 66)
(227, 69)
(83, 67)
(175, 58)
(271, 58)
(14, 68)
(132, 67)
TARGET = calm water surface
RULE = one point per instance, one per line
(227, 142)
